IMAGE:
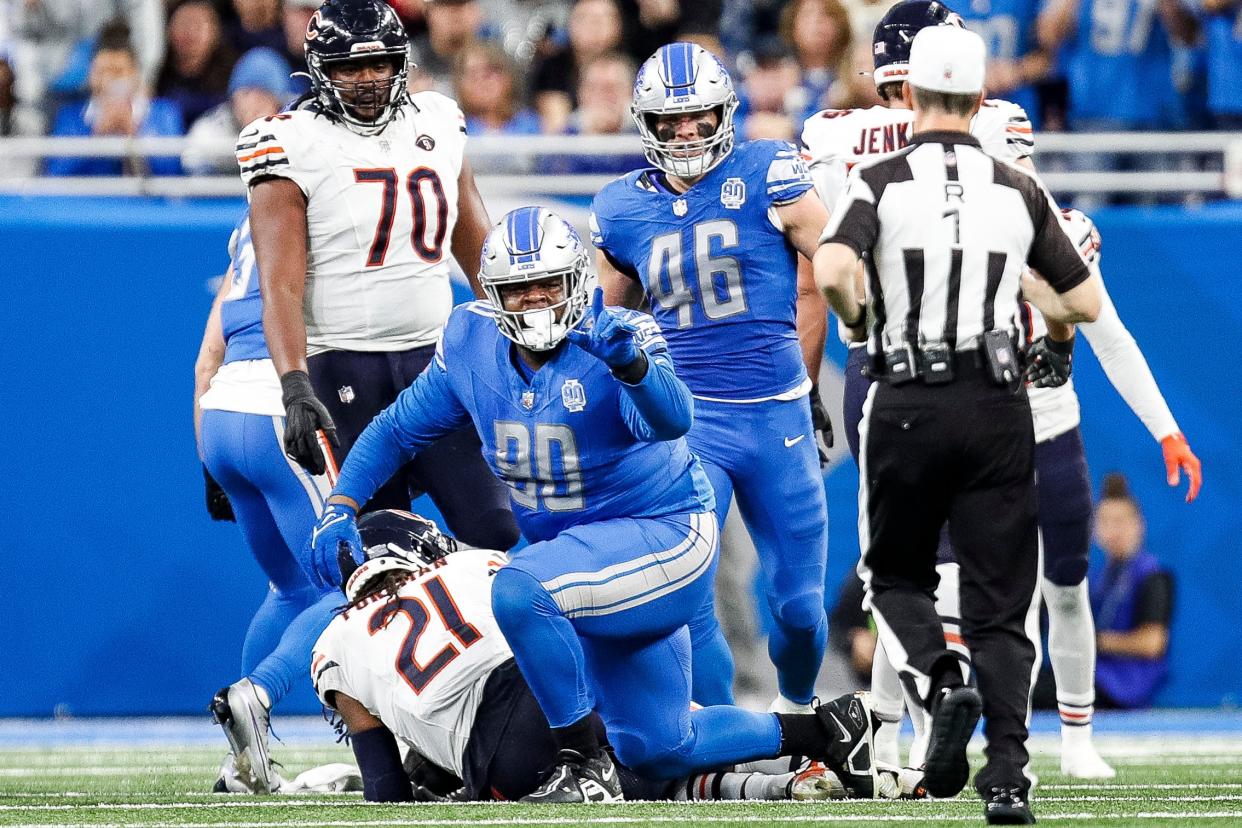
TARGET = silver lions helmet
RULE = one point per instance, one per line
(531, 244)
(683, 77)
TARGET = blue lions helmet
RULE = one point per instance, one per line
(683, 77)
(343, 30)
(528, 245)
(895, 32)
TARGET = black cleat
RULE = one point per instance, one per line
(578, 779)
(1007, 806)
(954, 715)
(850, 753)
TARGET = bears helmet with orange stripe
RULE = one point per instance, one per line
(393, 540)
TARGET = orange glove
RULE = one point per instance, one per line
(1177, 458)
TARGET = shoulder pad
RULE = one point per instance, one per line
(439, 105)
(1004, 130)
(274, 146)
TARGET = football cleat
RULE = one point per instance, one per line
(850, 751)
(815, 783)
(1083, 761)
(243, 717)
(229, 781)
(576, 778)
(955, 713)
(1005, 805)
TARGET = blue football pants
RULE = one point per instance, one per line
(597, 621)
(765, 455)
(276, 502)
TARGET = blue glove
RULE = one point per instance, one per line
(606, 336)
(336, 525)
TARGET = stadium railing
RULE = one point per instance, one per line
(1197, 164)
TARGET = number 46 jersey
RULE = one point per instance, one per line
(421, 673)
(380, 212)
(714, 261)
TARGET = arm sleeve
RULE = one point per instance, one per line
(1155, 601)
(327, 675)
(1052, 253)
(854, 221)
(1004, 130)
(421, 414)
(1127, 369)
(659, 407)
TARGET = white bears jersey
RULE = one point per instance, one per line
(421, 673)
(1056, 410)
(380, 214)
(837, 139)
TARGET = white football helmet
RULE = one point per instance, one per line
(530, 244)
(683, 77)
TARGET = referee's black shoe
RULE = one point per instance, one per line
(955, 712)
(1007, 805)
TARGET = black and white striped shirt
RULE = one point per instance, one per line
(949, 229)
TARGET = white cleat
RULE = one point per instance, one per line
(1085, 762)
(244, 718)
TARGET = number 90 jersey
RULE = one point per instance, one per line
(716, 267)
(422, 672)
(380, 212)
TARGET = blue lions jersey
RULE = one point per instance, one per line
(1224, 50)
(241, 313)
(720, 276)
(1008, 29)
(570, 442)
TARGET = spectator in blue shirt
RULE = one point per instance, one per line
(1119, 60)
(1132, 601)
(1223, 28)
(1016, 63)
(604, 92)
(487, 87)
(818, 32)
(118, 106)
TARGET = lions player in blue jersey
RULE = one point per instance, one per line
(239, 420)
(710, 237)
(581, 414)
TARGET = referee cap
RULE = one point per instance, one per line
(947, 59)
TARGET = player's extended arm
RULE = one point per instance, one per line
(375, 748)
(803, 221)
(1127, 369)
(836, 265)
(619, 290)
(1056, 23)
(471, 228)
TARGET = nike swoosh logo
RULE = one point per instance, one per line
(845, 734)
(337, 518)
(790, 443)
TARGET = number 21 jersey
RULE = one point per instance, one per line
(421, 673)
(380, 212)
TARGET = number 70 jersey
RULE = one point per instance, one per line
(419, 662)
(380, 212)
(715, 263)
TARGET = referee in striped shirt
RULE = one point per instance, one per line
(946, 432)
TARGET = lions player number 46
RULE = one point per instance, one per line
(666, 275)
(551, 473)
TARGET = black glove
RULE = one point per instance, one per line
(305, 415)
(218, 505)
(1049, 362)
(822, 424)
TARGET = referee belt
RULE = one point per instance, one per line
(932, 363)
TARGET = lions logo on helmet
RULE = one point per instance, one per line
(343, 30)
(528, 245)
(683, 77)
(393, 540)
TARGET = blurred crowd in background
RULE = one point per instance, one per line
(204, 68)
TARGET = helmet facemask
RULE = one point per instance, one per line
(343, 98)
(543, 329)
(687, 159)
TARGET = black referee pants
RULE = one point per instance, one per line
(355, 386)
(962, 453)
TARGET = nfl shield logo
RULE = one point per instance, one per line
(573, 395)
(733, 193)
(346, 393)
(528, 400)
(679, 207)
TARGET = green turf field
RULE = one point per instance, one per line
(1162, 781)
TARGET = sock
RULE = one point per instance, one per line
(802, 734)
(703, 787)
(579, 736)
(1071, 649)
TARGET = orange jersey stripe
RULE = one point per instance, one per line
(953, 638)
(257, 153)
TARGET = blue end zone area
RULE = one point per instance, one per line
(126, 599)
